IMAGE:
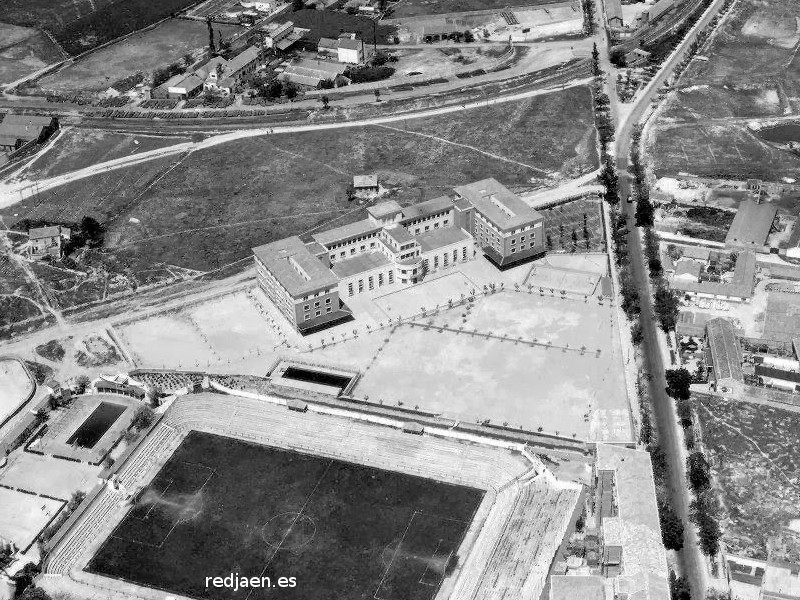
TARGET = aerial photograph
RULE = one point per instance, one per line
(399, 300)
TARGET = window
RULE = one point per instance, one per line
(349, 289)
(513, 250)
(307, 318)
(444, 261)
(342, 254)
(317, 313)
(427, 227)
(371, 281)
(352, 251)
(391, 276)
(445, 222)
(416, 231)
(513, 241)
(435, 262)
(455, 256)
(333, 257)
(522, 238)
(316, 304)
(327, 300)
(363, 247)
(372, 244)
(436, 226)
(327, 310)
(360, 285)
(380, 279)
(464, 253)
(306, 307)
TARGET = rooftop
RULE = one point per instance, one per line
(498, 204)
(366, 181)
(361, 263)
(295, 267)
(310, 72)
(725, 350)
(37, 233)
(27, 127)
(567, 587)
(740, 286)
(439, 238)
(696, 252)
(399, 234)
(345, 232)
(384, 209)
(636, 528)
(689, 268)
(752, 224)
(429, 207)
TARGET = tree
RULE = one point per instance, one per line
(290, 90)
(326, 84)
(671, 527)
(92, 232)
(703, 514)
(143, 418)
(644, 209)
(679, 587)
(298, 4)
(469, 37)
(678, 382)
(595, 61)
(81, 383)
(698, 472)
(667, 305)
(211, 47)
(377, 95)
(325, 102)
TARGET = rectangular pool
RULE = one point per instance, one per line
(96, 425)
(331, 379)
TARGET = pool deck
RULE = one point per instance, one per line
(66, 421)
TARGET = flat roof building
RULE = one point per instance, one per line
(18, 130)
(505, 227)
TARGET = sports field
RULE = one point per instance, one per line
(24, 516)
(15, 386)
(342, 530)
(482, 365)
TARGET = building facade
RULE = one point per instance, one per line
(395, 246)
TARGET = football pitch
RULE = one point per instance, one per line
(220, 506)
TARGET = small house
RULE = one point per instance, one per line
(47, 241)
(365, 184)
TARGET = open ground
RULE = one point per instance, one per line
(755, 461)
(24, 516)
(141, 53)
(340, 529)
(16, 386)
(415, 8)
(24, 50)
(749, 71)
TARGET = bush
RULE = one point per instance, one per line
(698, 472)
(143, 418)
(671, 527)
(678, 382)
(704, 515)
(368, 74)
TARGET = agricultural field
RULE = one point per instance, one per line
(141, 53)
(324, 23)
(755, 460)
(24, 50)
(81, 26)
(576, 226)
(417, 8)
(752, 72)
(15, 386)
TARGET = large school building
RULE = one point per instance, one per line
(395, 245)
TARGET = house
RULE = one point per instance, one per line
(18, 130)
(367, 184)
(47, 241)
(739, 289)
(637, 58)
(281, 36)
(614, 13)
(688, 269)
(179, 87)
(351, 49)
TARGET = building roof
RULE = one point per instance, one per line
(350, 44)
(659, 8)
(366, 181)
(227, 82)
(740, 286)
(695, 252)
(636, 528)
(327, 43)
(725, 350)
(360, 263)
(498, 204)
(782, 271)
(429, 207)
(23, 127)
(613, 10)
(567, 587)
(688, 267)
(345, 232)
(310, 72)
(441, 237)
(752, 224)
(782, 374)
(295, 267)
(399, 234)
(210, 67)
(241, 60)
(384, 209)
(38, 233)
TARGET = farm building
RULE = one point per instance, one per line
(778, 378)
(613, 13)
(47, 241)
(725, 353)
(18, 130)
(179, 87)
(366, 183)
(752, 225)
(347, 48)
(739, 289)
(310, 73)
(282, 36)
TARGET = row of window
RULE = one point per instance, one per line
(428, 227)
(316, 304)
(317, 313)
(370, 283)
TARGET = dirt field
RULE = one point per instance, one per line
(24, 50)
(220, 332)
(24, 516)
(415, 8)
(755, 460)
(143, 52)
(752, 71)
(15, 386)
(463, 374)
(47, 475)
(78, 148)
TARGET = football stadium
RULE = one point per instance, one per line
(346, 504)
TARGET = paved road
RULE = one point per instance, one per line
(692, 561)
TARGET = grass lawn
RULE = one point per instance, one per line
(342, 530)
(755, 460)
(415, 8)
(143, 52)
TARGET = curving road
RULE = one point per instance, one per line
(693, 563)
